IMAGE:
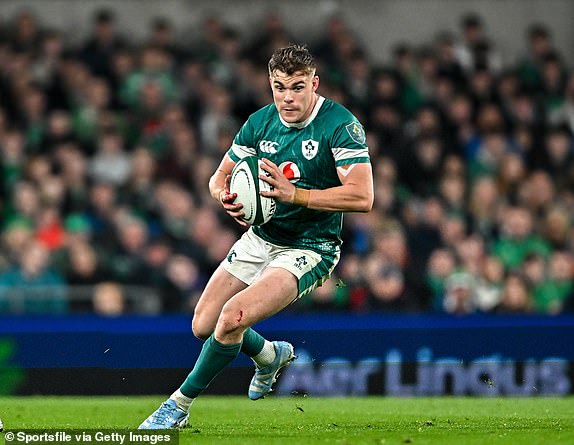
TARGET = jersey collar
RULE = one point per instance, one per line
(307, 121)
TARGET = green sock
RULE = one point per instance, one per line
(213, 358)
(252, 343)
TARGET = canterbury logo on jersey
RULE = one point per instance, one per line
(268, 146)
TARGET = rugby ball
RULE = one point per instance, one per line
(246, 183)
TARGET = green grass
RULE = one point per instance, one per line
(310, 420)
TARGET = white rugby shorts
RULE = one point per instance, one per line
(251, 255)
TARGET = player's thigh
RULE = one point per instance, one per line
(221, 287)
(271, 292)
(309, 267)
(245, 261)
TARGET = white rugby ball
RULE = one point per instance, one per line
(246, 183)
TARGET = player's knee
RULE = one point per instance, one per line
(231, 320)
(200, 329)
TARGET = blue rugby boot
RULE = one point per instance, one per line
(167, 416)
(265, 377)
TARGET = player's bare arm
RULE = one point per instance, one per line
(355, 194)
(219, 190)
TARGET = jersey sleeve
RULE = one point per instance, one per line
(349, 144)
(244, 142)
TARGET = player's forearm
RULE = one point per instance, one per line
(345, 198)
(217, 184)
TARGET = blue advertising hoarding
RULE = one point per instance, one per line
(338, 354)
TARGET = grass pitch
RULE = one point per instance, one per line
(309, 420)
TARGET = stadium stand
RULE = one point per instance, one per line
(106, 149)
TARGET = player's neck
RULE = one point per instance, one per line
(312, 106)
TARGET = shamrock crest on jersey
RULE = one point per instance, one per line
(309, 148)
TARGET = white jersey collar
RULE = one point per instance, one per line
(307, 121)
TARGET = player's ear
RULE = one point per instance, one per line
(271, 79)
(315, 83)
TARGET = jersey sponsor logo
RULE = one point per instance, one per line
(356, 132)
(268, 146)
(309, 148)
(290, 171)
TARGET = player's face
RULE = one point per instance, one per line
(294, 94)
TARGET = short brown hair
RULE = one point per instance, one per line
(292, 59)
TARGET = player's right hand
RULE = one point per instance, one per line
(227, 200)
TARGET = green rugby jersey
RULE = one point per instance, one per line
(308, 154)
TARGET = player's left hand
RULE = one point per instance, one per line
(283, 190)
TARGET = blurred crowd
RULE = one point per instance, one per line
(106, 149)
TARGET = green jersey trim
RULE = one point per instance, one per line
(317, 276)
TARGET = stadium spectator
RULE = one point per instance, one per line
(483, 206)
(421, 168)
(88, 114)
(539, 45)
(558, 157)
(516, 296)
(385, 286)
(555, 226)
(111, 163)
(26, 33)
(517, 239)
(16, 233)
(475, 50)
(182, 285)
(163, 35)
(126, 260)
(31, 287)
(551, 295)
(459, 296)
(488, 292)
(101, 209)
(108, 299)
(50, 229)
(84, 268)
(140, 185)
(564, 114)
(98, 50)
(13, 160)
(441, 265)
(534, 270)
